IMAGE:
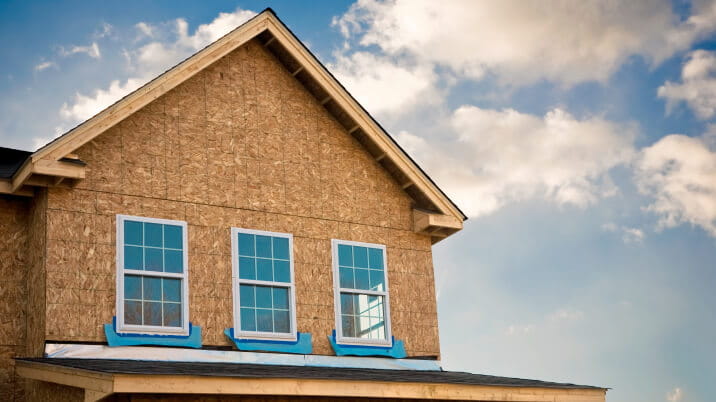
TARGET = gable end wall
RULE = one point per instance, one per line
(240, 144)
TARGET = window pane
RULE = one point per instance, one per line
(263, 297)
(172, 289)
(247, 268)
(281, 321)
(152, 234)
(263, 246)
(173, 236)
(133, 258)
(346, 278)
(362, 279)
(281, 271)
(360, 257)
(375, 258)
(280, 248)
(264, 320)
(248, 319)
(173, 261)
(246, 244)
(133, 312)
(172, 314)
(152, 288)
(345, 255)
(152, 313)
(347, 326)
(247, 297)
(280, 298)
(377, 281)
(369, 313)
(376, 329)
(153, 259)
(133, 232)
(264, 269)
(133, 287)
(347, 304)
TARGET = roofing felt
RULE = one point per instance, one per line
(140, 367)
(11, 160)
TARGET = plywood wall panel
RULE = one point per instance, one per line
(241, 144)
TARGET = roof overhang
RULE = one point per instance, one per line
(97, 385)
(47, 162)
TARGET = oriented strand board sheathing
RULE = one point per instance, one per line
(14, 260)
(240, 144)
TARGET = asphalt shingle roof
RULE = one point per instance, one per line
(302, 372)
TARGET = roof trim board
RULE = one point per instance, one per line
(187, 381)
(266, 21)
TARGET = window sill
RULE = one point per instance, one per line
(397, 350)
(114, 338)
(302, 345)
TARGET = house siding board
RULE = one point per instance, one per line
(14, 259)
(240, 144)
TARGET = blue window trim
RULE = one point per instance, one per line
(395, 350)
(302, 344)
(114, 338)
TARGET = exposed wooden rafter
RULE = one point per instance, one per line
(437, 226)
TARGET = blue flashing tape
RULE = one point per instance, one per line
(397, 350)
(302, 345)
(193, 340)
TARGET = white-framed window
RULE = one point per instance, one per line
(152, 276)
(362, 302)
(263, 285)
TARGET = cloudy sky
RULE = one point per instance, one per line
(580, 138)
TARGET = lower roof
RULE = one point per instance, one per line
(111, 366)
(11, 160)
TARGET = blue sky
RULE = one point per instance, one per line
(579, 138)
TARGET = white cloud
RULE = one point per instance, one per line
(566, 315)
(698, 85)
(83, 106)
(105, 30)
(629, 235)
(675, 395)
(45, 65)
(383, 85)
(679, 173)
(568, 42)
(152, 59)
(90, 50)
(145, 29)
(502, 156)
(514, 330)
(207, 33)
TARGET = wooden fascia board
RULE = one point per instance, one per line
(355, 111)
(66, 376)
(182, 384)
(104, 120)
(103, 384)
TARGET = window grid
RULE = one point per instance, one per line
(172, 237)
(261, 267)
(361, 304)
